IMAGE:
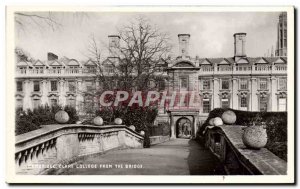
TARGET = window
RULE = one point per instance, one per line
(225, 83)
(282, 104)
(53, 85)
(19, 86)
(206, 105)
(72, 86)
(183, 83)
(109, 69)
(282, 84)
(36, 103)
(36, 86)
(206, 84)
(19, 103)
(53, 102)
(89, 86)
(72, 103)
(263, 104)
(244, 104)
(263, 84)
(225, 103)
(244, 84)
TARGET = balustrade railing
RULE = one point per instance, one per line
(243, 69)
(53, 145)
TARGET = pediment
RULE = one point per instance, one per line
(279, 61)
(55, 63)
(39, 63)
(242, 61)
(73, 62)
(206, 62)
(90, 63)
(261, 61)
(184, 64)
(224, 62)
(22, 64)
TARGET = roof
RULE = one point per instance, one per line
(244, 60)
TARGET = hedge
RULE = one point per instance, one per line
(141, 117)
(276, 123)
(30, 120)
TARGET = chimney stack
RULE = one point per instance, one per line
(184, 40)
(113, 45)
(239, 45)
(52, 56)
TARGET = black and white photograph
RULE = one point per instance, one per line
(172, 95)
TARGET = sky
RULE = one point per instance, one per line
(211, 32)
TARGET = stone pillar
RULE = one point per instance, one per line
(173, 129)
(216, 98)
(235, 100)
(62, 93)
(196, 120)
(44, 99)
(273, 89)
(254, 98)
(249, 98)
(28, 88)
(79, 96)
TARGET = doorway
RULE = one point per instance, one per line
(184, 128)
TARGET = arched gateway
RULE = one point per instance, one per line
(183, 123)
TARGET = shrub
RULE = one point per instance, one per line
(141, 117)
(30, 120)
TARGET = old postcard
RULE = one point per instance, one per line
(150, 95)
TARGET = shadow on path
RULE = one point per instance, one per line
(201, 161)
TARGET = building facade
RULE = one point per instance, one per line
(238, 82)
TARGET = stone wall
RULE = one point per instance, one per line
(158, 139)
(53, 146)
(226, 143)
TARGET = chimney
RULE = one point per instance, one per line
(113, 45)
(52, 56)
(239, 45)
(184, 40)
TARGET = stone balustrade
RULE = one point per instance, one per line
(204, 70)
(226, 143)
(244, 69)
(54, 146)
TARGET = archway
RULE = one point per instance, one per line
(184, 128)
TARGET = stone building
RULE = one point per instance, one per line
(281, 46)
(239, 82)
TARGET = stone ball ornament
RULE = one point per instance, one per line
(255, 136)
(142, 133)
(218, 121)
(78, 122)
(229, 117)
(62, 116)
(132, 127)
(98, 121)
(118, 121)
(211, 121)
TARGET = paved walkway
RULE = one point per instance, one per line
(175, 157)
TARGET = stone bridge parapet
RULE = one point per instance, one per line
(54, 146)
(226, 143)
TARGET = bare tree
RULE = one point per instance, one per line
(45, 20)
(140, 55)
(36, 19)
